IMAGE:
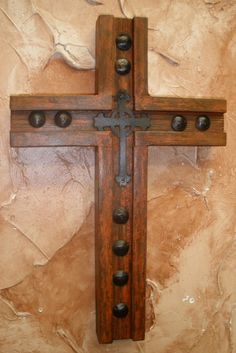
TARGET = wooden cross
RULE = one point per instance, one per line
(120, 120)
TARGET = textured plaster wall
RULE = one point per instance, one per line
(47, 196)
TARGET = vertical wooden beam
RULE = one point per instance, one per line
(139, 242)
(105, 55)
(140, 57)
(103, 242)
(122, 196)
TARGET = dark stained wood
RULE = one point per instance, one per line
(108, 194)
(60, 138)
(83, 120)
(162, 138)
(122, 196)
(80, 121)
(140, 58)
(105, 56)
(103, 242)
(161, 121)
(124, 82)
(180, 104)
(139, 242)
(62, 102)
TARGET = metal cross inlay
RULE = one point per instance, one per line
(122, 123)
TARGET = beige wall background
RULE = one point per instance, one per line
(47, 195)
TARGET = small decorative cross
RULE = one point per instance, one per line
(123, 119)
(121, 147)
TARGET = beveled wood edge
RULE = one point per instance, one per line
(103, 239)
(161, 138)
(61, 138)
(139, 242)
(105, 55)
(175, 104)
(60, 102)
(140, 50)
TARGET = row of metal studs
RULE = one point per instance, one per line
(179, 123)
(121, 215)
(63, 119)
(37, 119)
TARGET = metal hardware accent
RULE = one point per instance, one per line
(122, 66)
(123, 41)
(120, 247)
(120, 215)
(202, 123)
(120, 310)
(179, 123)
(63, 119)
(122, 123)
(37, 118)
(120, 278)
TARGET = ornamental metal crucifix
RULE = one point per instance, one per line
(120, 120)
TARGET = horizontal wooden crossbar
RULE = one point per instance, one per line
(61, 138)
(175, 104)
(162, 138)
(61, 102)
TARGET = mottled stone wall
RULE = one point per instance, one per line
(47, 196)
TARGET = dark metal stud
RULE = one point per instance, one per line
(120, 247)
(120, 278)
(202, 123)
(37, 118)
(63, 119)
(120, 310)
(122, 66)
(178, 123)
(120, 215)
(123, 41)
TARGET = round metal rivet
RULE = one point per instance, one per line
(120, 247)
(122, 66)
(120, 310)
(63, 119)
(120, 278)
(123, 41)
(178, 123)
(37, 118)
(120, 215)
(202, 123)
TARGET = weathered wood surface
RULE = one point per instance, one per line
(180, 104)
(66, 102)
(109, 195)
(162, 138)
(139, 242)
(60, 138)
(103, 236)
(160, 121)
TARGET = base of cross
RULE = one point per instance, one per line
(120, 130)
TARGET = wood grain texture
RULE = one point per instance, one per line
(62, 138)
(105, 56)
(103, 242)
(124, 82)
(81, 120)
(161, 121)
(122, 196)
(161, 138)
(140, 58)
(62, 102)
(180, 104)
(139, 242)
